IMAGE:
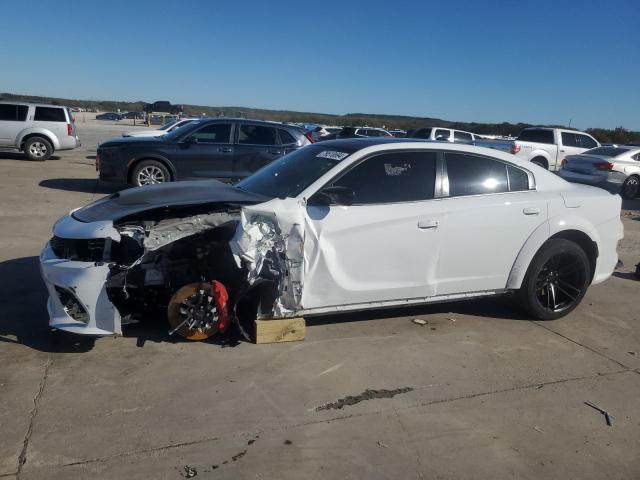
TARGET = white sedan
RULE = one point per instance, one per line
(158, 132)
(338, 226)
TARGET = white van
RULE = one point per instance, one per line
(36, 129)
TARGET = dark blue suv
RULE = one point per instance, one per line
(224, 148)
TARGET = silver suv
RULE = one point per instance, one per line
(36, 129)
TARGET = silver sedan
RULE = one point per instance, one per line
(614, 168)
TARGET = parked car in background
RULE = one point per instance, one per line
(135, 115)
(36, 129)
(227, 149)
(616, 169)
(443, 135)
(163, 106)
(157, 132)
(110, 116)
(547, 147)
(337, 226)
(398, 133)
(320, 132)
(357, 132)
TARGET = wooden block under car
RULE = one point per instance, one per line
(284, 330)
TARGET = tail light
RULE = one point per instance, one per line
(563, 162)
(97, 162)
(603, 166)
(69, 129)
(515, 148)
(309, 136)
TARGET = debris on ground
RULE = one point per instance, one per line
(366, 395)
(288, 442)
(607, 416)
(382, 444)
(188, 472)
(538, 429)
(238, 456)
(419, 321)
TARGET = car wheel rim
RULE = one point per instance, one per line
(560, 282)
(150, 176)
(38, 149)
(630, 188)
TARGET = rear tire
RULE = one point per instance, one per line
(556, 281)
(38, 148)
(149, 172)
(630, 187)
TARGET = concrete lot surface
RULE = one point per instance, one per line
(477, 392)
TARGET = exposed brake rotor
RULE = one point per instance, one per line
(199, 310)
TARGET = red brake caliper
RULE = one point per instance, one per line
(221, 298)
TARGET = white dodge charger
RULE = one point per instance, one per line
(336, 226)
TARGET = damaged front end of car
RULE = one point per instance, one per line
(203, 267)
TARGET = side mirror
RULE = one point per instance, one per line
(333, 195)
(188, 141)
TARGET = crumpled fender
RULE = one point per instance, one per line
(261, 233)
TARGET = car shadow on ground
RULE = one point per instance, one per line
(82, 185)
(8, 155)
(503, 307)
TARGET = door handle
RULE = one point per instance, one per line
(531, 211)
(275, 152)
(426, 224)
(225, 149)
(561, 151)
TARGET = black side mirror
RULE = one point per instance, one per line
(188, 141)
(334, 195)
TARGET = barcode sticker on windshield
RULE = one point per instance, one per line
(332, 155)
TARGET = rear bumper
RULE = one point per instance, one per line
(610, 181)
(69, 143)
(609, 233)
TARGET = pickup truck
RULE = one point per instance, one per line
(547, 147)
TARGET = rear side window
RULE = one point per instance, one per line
(50, 114)
(213, 133)
(518, 179)
(392, 177)
(471, 175)
(442, 135)
(286, 138)
(257, 135)
(537, 136)
(586, 141)
(607, 151)
(569, 139)
(462, 137)
(13, 113)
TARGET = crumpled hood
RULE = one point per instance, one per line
(135, 200)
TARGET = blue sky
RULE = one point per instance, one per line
(537, 61)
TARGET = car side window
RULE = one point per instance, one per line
(462, 137)
(569, 139)
(49, 114)
(257, 135)
(472, 175)
(213, 133)
(586, 141)
(286, 138)
(391, 178)
(13, 113)
(442, 135)
(518, 179)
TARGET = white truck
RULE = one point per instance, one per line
(547, 147)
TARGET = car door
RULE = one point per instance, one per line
(385, 246)
(490, 209)
(206, 152)
(570, 146)
(12, 121)
(256, 146)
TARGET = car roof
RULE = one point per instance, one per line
(249, 120)
(11, 102)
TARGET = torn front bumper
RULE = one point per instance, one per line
(78, 301)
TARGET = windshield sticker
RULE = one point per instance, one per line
(332, 155)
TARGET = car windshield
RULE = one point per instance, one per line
(177, 132)
(291, 174)
(168, 125)
(607, 151)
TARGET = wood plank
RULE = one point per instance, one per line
(282, 330)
